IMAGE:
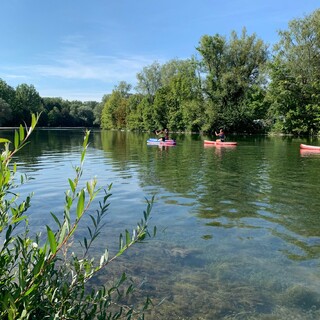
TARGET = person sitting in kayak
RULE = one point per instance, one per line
(221, 135)
(165, 133)
(158, 132)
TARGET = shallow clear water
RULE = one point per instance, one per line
(238, 228)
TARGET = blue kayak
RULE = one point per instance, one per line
(160, 142)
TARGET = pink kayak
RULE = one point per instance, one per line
(219, 143)
(309, 147)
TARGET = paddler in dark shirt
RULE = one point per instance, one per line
(165, 133)
(220, 135)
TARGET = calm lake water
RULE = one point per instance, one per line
(238, 228)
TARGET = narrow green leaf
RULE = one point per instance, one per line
(21, 132)
(89, 188)
(86, 139)
(63, 231)
(93, 220)
(3, 140)
(56, 219)
(16, 139)
(130, 289)
(52, 240)
(29, 291)
(8, 233)
(72, 185)
(90, 232)
(16, 220)
(120, 241)
(34, 120)
(67, 214)
(127, 237)
(80, 205)
(68, 201)
(39, 265)
(83, 154)
(122, 279)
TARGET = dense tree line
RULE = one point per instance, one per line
(18, 104)
(237, 83)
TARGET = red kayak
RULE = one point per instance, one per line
(309, 147)
(219, 143)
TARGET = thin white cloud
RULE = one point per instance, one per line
(14, 76)
(76, 59)
(105, 69)
(73, 72)
(74, 94)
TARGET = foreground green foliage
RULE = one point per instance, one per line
(39, 277)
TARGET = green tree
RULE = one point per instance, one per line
(86, 114)
(74, 110)
(7, 95)
(124, 88)
(5, 112)
(134, 115)
(232, 69)
(97, 111)
(52, 109)
(147, 111)
(54, 117)
(160, 108)
(295, 77)
(186, 92)
(27, 101)
(149, 80)
(115, 110)
(181, 86)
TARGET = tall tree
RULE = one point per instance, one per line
(27, 101)
(181, 85)
(85, 114)
(7, 94)
(54, 117)
(135, 112)
(114, 111)
(149, 80)
(232, 68)
(124, 88)
(294, 92)
(5, 112)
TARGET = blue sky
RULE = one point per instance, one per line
(81, 49)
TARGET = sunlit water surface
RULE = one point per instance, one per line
(238, 228)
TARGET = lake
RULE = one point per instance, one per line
(238, 228)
